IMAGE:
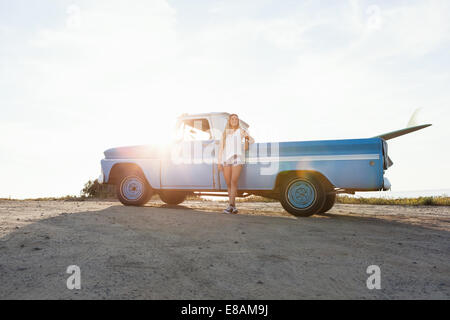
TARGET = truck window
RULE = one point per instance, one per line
(195, 130)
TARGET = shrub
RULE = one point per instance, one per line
(420, 201)
(93, 189)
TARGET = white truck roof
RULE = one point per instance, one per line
(217, 121)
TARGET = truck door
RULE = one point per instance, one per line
(189, 164)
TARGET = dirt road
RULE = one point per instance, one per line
(195, 252)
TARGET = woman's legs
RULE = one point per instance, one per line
(227, 176)
(235, 174)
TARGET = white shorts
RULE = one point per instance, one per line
(234, 161)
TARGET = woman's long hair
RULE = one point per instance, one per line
(228, 127)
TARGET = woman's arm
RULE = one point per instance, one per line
(247, 136)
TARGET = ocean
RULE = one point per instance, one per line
(404, 194)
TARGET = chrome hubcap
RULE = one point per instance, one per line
(301, 194)
(132, 188)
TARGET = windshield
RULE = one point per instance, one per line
(193, 130)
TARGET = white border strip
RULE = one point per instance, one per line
(375, 156)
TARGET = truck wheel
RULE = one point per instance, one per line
(133, 190)
(302, 196)
(172, 197)
(329, 202)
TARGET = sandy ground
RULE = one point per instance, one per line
(195, 252)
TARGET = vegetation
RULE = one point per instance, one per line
(93, 189)
(64, 198)
(254, 199)
(421, 201)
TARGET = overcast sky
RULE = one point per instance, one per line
(78, 77)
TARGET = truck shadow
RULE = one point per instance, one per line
(170, 206)
(431, 221)
(163, 252)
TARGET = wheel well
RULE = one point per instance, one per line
(120, 169)
(302, 173)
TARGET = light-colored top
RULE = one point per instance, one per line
(234, 145)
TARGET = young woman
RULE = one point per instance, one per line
(231, 157)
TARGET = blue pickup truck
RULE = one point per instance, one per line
(304, 176)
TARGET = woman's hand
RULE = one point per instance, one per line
(247, 136)
(220, 167)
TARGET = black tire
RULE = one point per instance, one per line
(330, 199)
(307, 190)
(172, 197)
(133, 189)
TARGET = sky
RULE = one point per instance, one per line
(79, 77)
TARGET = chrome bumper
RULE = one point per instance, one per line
(386, 184)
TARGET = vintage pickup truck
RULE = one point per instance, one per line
(304, 176)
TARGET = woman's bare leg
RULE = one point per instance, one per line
(227, 176)
(235, 174)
